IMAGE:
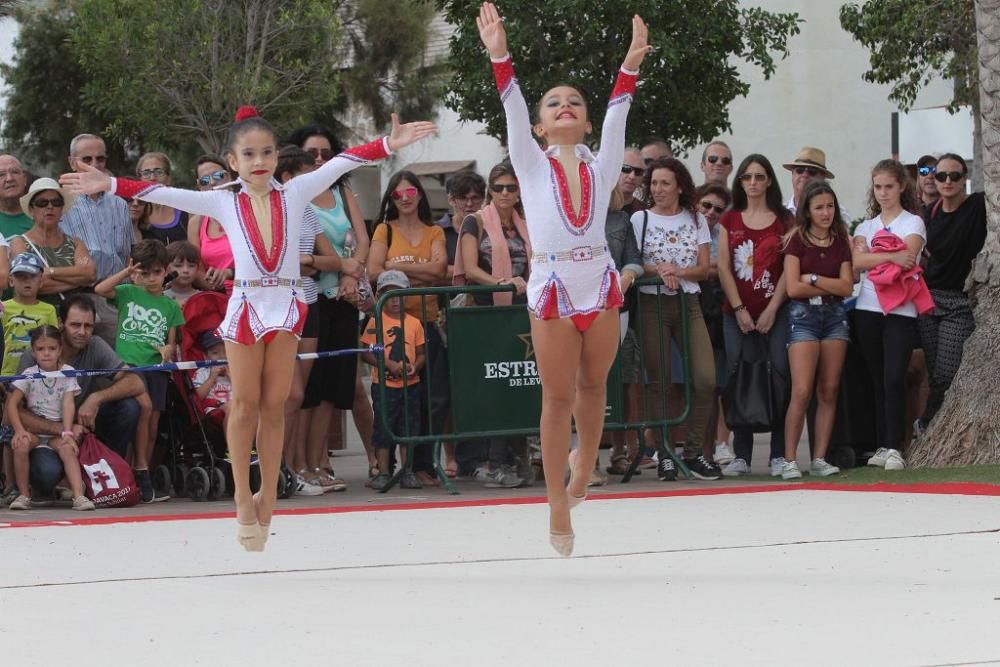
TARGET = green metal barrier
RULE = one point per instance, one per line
(495, 389)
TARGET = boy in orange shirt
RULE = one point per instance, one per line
(404, 357)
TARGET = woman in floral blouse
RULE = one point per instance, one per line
(674, 241)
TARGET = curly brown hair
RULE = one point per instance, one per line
(689, 193)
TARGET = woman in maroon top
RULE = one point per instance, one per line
(818, 277)
(750, 270)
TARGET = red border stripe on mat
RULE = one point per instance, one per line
(952, 488)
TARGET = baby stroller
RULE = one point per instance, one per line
(205, 466)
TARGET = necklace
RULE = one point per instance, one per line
(820, 242)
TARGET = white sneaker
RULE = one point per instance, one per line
(723, 454)
(879, 459)
(790, 470)
(736, 468)
(777, 466)
(820, 468)
(894, 460)
(306, 488)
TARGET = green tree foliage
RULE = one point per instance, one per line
(913, 42)
(686, 84)
(44, 109)
(169, 75)
(173, 72)
(388, 70)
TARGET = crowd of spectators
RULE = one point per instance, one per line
(100, 282)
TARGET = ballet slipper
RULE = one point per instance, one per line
(562, 543)
(249, 536)
(573, 501)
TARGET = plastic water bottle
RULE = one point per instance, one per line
(350, 244)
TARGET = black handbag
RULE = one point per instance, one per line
(632, 296)
(755, 396)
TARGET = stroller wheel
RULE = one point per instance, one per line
(180, 480)
(198, 483)
(162, 480)
(286, 483)
(218, 488)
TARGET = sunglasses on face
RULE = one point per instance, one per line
(712, 159)
(707, 206)
(405, 192)
(324, 154)
(87, 159)
(154, 172)
(214, 177)
(56, 202)
(471, 198)
(809, 171)
(497, 188)
(953, 176)
(755, 178)
(927, 170)
(629, 169)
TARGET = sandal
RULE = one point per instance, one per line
(373, 470)
(427, 479)
(327, 480)
(619, 465)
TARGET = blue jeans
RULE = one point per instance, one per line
(810, 323)
(777, 353)
(116, 422)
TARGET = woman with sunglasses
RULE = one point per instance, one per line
(956, 232)
(886, 333)
(334, 383)
(494, 250)
(207, 234)
(713, 200)
(494, 242)
(751, 272)
(407, 240)
(163, 223)
(68, 265)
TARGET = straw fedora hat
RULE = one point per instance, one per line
(810, 157)
(42, 184)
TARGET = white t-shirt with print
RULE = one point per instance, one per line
(904, 225)
(671, 238)
(44, 397)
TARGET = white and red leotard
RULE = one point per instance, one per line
(266, 297)
(572, 273)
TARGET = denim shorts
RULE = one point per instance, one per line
(807, 322)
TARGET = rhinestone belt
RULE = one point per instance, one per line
(579, 254)
(267, 281)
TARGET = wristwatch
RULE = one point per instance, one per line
(813, 279)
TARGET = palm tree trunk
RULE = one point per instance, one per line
(967, 428)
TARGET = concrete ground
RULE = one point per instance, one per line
(687, 573)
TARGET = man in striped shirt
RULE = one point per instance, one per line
(102, 222)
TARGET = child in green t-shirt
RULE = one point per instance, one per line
(147, 322)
